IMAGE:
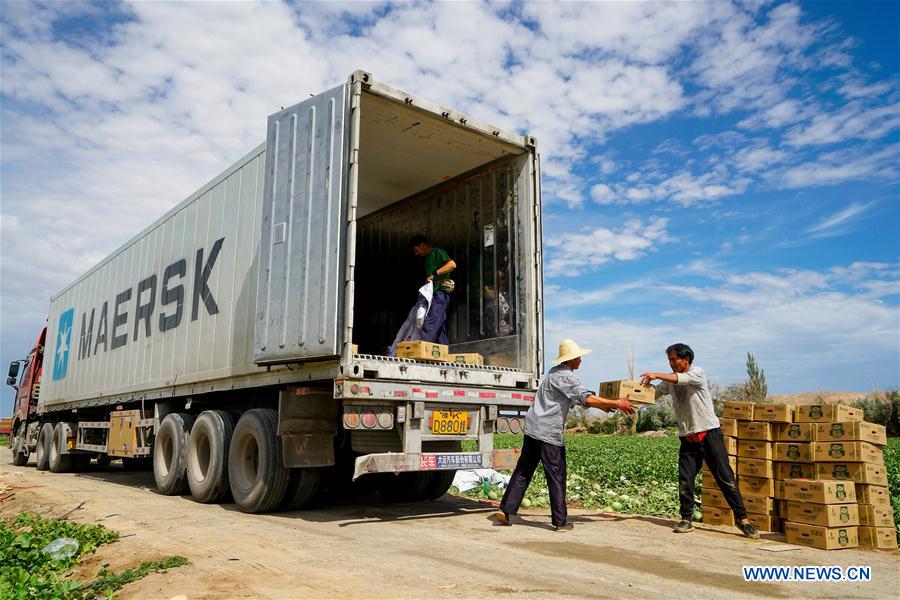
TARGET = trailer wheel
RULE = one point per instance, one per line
(255, 462)
(303, 485)
(438, 484)
(43, 447)
(404, 487)
(20, 447)
(170, 449)
(59, 461)
(207, 456)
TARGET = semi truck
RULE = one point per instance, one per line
(238, 345)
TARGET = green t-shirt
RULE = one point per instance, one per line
(436, 259)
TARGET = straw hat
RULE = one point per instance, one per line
(568, 350)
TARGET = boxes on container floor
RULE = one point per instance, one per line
(794, 452)
(880, 538)
(774, 413)
(764, 522)
(755, 449)
(755, 467)
(761, 505)
(742, 411)
(731, 445)
(713, 497)
(794, 470)
(714, 515)
(816, 536)
(795, 432)
(856, 472)
(852, 431)
(826, 515)
(820, 491)
(873, 494)
(636, 392)
(847, 452)
(756, 486)
(827, 413)
(875, 516)
(754, 430)
(422, 351)
(729, 426)
(472, 358)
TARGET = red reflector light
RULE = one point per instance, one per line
(369, 419)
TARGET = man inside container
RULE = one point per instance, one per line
(700, 435)
(438, 266)
(544, 443)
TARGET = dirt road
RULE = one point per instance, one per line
(444, 549)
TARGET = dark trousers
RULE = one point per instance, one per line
(434, 329)
(553, 458)
(691, 457)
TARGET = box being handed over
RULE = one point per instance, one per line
(637, 393)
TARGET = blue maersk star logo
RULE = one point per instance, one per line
(63, 342)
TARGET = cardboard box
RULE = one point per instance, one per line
(742, 411)
(793, 470)
(715, 515)
(713, 497)
(852, 431)
(467, 359)
(875, 516)
(755, 449)
(819, 491)
(855, 472)
(761, 505)
(826, 515)
(879, 538)
(873, 494)
(774, 413)
(731, 445)
(636, 392)
(794, 452)
(795, 432)
(756, 486)
(756, 467)
(825, 538)
(827, 413)
(729, 426)
(848, 452)
(754, 430)
(764, 522)
(422, 351)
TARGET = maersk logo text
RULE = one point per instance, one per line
(63, 342)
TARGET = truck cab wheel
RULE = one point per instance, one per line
(43, 447)
(59, 461)
(207, 456)
(256, 464)
(170, 450)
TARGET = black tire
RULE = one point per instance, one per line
(19, 447)
(170, 449)
(207, 456)
(302, 488)
(255, 462)
(404, 487)
(438, 484)
(45, 437)
(59, 462)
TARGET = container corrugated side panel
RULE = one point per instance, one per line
(303, 229)
(213, 336)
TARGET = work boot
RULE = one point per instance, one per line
(684, 526)
(749, 530)
(563, 527)
(503, 518)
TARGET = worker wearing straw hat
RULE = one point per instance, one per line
(544, 443)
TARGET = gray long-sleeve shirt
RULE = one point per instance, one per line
(691, 401)
(559, 390)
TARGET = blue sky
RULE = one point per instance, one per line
(720, 174)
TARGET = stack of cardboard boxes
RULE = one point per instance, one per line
(793, 466)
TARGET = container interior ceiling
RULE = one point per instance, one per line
(462, 190)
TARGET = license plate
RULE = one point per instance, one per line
(449, 422)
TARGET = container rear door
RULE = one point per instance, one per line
(299, 304)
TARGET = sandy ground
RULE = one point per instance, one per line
(450, 548)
